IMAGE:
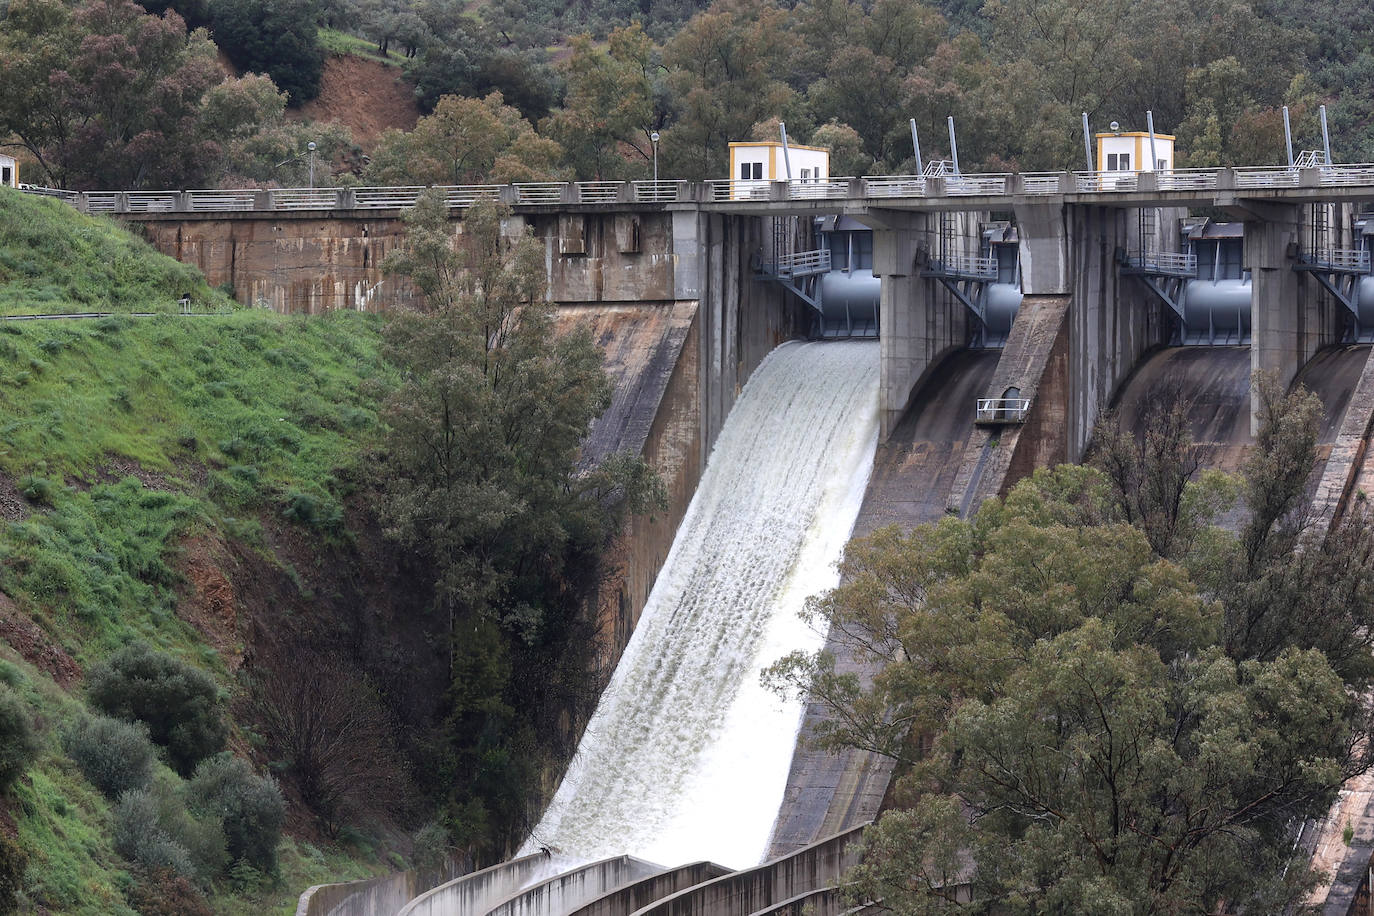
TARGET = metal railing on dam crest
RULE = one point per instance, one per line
(1173, 186)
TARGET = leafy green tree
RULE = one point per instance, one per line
(248, 807)
(727, 68)
(279, 38)
(178, 702)
(106, 95)
(465, 141)
(482, 480)
(1103, 703)
(847, 156)
(18, 743)
(608, 111)
(1074, 729)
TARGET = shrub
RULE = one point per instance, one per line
(163, 892)
(153, 829)
(18, 746)
(179, 703)
(114, 755)
(13, 862)
(140, 837)
(249, 807)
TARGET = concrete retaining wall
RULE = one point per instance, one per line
(744, 892)
(561, 893)
(480, 891)
(640, 894)
(376, 896)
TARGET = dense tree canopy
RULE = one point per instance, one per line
(1101, 702)
(483, 481)
(279, 38)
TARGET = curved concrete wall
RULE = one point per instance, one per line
(824, 902)
(561, 893)
(480, 891)
(745, 892)
(631, 897)
(376, 896)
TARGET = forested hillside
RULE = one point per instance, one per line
(533, 89)
(245, 646)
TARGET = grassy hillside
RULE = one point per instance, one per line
(55, 260)
(123, 440)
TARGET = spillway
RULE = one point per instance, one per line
(1214, 380)
(686, 755)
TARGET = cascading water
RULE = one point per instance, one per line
(686, 756)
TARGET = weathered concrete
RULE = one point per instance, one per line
(642, 893)
(1113, 320)
(1044, 250)
(1035, 362)
(571, 889)
(652, 356)
(921, 322)
(480, 891)
(376, 896)
(744, 892)
(1347, 474)
(314, 265)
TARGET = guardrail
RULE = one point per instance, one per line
(976, 185)
(965, 265)
(385, 198)
(603, 193)
(801, 263)
(1353, 260)
(1186, 179)
(1002, 410)
(1106, 181)
(895, 186)
(1172, 262)
(656, 191)
(1266, 177)
(1037, 183)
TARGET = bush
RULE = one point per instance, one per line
(249, 807)
(140, 837)
(179, 703)
(18, 746)
(162, 892)
(13, 863)
(154, 830)
(114, 755)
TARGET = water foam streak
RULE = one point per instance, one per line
(686, 756)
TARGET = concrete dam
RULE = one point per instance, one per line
(1113, 311)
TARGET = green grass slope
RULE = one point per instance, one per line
(55, 260)
(120, 439)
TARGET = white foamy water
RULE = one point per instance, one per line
(686, 757)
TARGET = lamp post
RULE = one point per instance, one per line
(654, 138)
(311, 146)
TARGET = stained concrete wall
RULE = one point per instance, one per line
(1291, 317)
(640, 894)
(1114, 319)
(744, 892)
(382, 896)
(480, 891)
(561, 893)
(1036, 362)
(304, 265)
(921, 321)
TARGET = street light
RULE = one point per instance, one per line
(311, 146)
(654, 137)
